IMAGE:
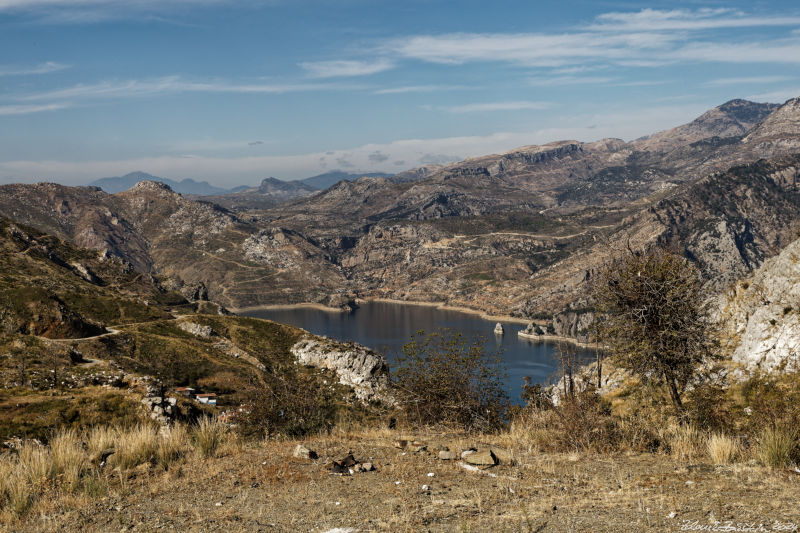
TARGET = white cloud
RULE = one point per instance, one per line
(685, 19)
(746, 80)
(42, 68)
(29, 109)
(345, 68)
(496, 106)
(645, 38)
(531, 49)
(171, 84)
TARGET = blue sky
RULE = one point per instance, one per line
(231, 91)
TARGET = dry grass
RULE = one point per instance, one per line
(135, 446)
(208, 435)
(101, 438)
(722, 449)
(35, 463)
(171, 446)
(778, 447)
(686, 442)
(69, 458)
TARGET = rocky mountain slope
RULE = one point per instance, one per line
(73, 320)
(517, 233)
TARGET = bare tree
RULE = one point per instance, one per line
(654, 317)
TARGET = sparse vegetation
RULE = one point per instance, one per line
(443, 379)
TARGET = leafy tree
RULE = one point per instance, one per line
(443, 379)
(655, 317)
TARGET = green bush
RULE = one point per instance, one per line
(442, 379)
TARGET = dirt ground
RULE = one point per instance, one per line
(263, 488)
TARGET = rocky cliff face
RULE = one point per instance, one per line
(761, 314)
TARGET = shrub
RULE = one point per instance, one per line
(442, 379)
(579, 422)
(585, 422)
(655, 317)
(722, 449)
(288, 401)
(710, 408)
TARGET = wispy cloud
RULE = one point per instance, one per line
(41, 68)
(538, 50)
(345, 68)
(29, 109)
(645, 38)
(783, 51)
(570, 80)
(171, 84)
(418, 89)
(685, 19)
(496, 106)
(94, 11)
(747, 80)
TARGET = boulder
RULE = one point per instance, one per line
(481, 458)
(301, 452)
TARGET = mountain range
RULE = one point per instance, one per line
(515, 233)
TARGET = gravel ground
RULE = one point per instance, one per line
(263, 488)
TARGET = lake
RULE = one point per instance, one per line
(386, 327)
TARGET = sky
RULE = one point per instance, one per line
(232, 91)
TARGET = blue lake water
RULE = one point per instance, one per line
(386, 327)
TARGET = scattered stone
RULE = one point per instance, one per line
(467, 452)
(426, 488)
(197, 330)
(447, 455)
(431, 474)
(301, 452)
(481, 458)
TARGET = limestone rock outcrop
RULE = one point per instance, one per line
(761, 314)
(356, 366)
